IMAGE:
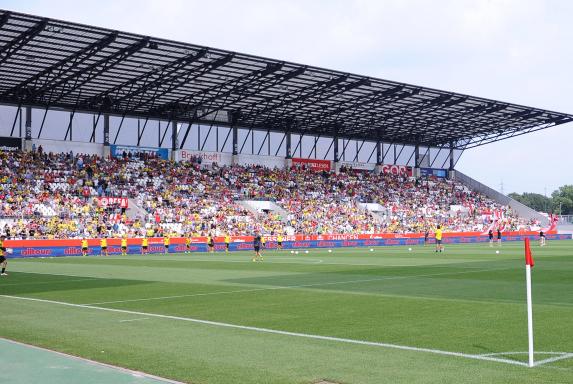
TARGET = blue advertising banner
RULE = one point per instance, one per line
(119, 150)
(441, 173)
(47, 251)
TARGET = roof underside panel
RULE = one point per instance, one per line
(55, 64)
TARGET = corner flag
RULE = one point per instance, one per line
(528, 256)
(528, 265)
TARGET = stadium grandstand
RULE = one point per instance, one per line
(280, 147)
(246, 220)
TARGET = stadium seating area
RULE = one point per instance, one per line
(56, 196)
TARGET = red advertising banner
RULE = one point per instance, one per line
(314, 164)
(122, 202)
(397, 169)
(249, 239)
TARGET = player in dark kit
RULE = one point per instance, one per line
(257, 247)
(3, 259)
(490, 235)
(499, 237)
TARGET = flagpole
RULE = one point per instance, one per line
(529, 314)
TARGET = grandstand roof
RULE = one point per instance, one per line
(58, 64)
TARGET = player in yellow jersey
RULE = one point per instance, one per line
(144, 245)
(187, 243)
(84, 246)
(438, 234)
(211, 243)
(3, 257)
(280, 242)
(103, 245)
(227, 243)
(166, 242)
(263, 242)
(124, 245)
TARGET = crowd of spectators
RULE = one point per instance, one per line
(47, 195)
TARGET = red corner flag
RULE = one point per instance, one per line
(528, 257)
(528, 265)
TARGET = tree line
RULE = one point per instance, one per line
(560, 202)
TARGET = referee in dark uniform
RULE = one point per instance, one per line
(257, 247)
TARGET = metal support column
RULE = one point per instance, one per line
(28, 123)
(106, 130)
(452, 164)
(378, 152)
(417, 156)
(335, 148)
(71, 126)
(106, 148)
(235, 140)
(173, 137)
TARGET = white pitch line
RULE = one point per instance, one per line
(522, 353)
(290, 287)
(278, 332)
(138, 319)
(561, 356)
(554, 359)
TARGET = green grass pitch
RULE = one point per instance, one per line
(350, 316)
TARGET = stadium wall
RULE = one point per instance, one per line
(51, 248)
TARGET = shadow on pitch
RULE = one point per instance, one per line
(19, 283)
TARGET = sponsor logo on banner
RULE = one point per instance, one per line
(358, 165)
(206, 157)
(10, 144)
(441, 173)
(397, 169)
(314, 164)
(122, 202)
(118, 150)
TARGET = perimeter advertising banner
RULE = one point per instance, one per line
(10, 144)
(313, 164)
(436, 172)
(122, 202)
(359, 165)
(118, 151)
(397, 169)
(52, 248)
(221, 158)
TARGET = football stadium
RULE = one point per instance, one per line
(200, 215)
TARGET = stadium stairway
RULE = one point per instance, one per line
(522, 210)
(133, 211)
(257, 207)
(376, 210)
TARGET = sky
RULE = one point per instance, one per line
(516, 51)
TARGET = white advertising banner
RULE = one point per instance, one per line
(77, 147)
(221, 158)
(358, 165)
(266, 161)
